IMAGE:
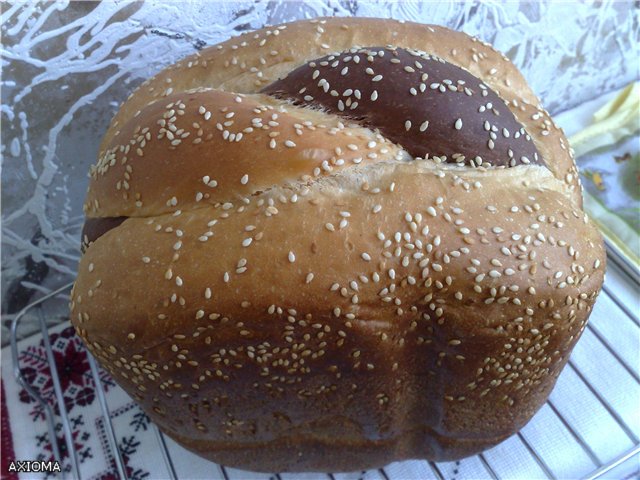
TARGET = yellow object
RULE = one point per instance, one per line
(596, 178)
(616, 120)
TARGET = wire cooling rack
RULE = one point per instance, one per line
(589, 428)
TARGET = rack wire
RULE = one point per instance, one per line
(620, 274)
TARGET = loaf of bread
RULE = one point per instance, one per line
(336, 243)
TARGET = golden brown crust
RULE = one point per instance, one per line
(225, 148)
(253, 60)
(413, 310)
(243, 66)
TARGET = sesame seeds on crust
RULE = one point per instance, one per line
(281, 265)
(413, 88)
(323, 145)
(465, 286)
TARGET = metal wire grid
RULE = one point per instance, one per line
(384, 474)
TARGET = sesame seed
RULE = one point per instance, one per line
(292, 257)
(245, 179)
(458, 124)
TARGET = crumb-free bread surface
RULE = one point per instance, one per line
(283, 288)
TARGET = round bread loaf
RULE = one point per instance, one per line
(336, 243)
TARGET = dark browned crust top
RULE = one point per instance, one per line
(430, 107)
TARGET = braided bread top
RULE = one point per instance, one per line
(204, 118)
